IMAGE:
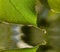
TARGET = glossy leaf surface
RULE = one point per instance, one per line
(21, 12)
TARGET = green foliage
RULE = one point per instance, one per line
(22, 50)
(21, 12)
(47, 17)
(54, 4)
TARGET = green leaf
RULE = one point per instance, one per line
(22, 50)
(21, 12)
(55, 5)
